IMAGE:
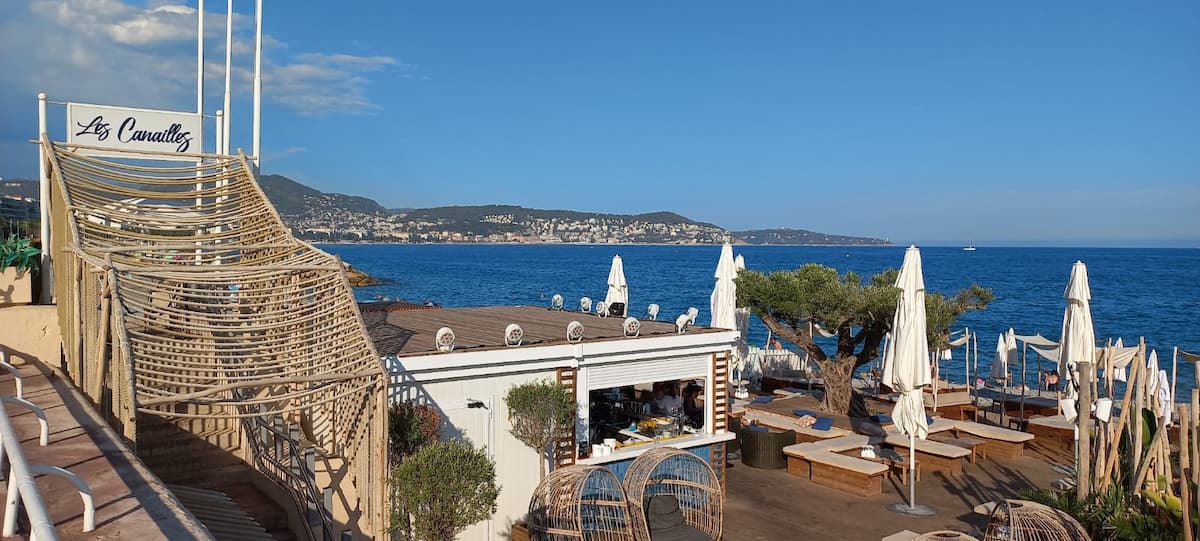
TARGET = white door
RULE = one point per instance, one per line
(472, 421)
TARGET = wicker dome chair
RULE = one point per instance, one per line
(579, 503)
(944, 535)
(679, 473)
(1020, 520)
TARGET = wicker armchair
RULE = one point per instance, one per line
(579, 503)
(682, 474)
(764, 449)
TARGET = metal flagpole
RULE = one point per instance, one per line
(200, 72)
(224, 149)
(257, 143)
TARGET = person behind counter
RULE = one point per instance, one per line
(665, 403)
(691, 405)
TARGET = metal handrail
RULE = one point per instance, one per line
(12, 370)
(85, 493)
(22, 488)
(283, 461)
(44, 437)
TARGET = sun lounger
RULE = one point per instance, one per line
(1001, 442)
(821, 462)
(791, 422)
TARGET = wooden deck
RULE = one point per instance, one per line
(772, 505)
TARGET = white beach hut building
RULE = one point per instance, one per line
(610, 362)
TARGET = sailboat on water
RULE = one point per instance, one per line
(970, 247)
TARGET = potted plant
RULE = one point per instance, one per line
(18, 263)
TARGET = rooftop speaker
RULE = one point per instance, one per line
(632, 326)
(445, 339)
(574, 331)
(513, 334)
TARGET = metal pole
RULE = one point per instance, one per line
(228, 66)
(44, 208)
(912, 469)
(257, 142)
(220, 135)
(200, 71)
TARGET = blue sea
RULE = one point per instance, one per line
(1153, 293)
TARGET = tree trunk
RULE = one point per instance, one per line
(838, 389)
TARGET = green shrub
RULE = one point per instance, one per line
(442, 489)
(410, 427)
(540, 413)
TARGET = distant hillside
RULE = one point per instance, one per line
(803, 237)
(515, 213)
(316, 215)
(294, 199)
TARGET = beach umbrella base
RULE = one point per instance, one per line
(917, 510)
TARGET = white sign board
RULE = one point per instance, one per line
(132, 130)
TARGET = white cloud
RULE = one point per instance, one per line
(113, 51)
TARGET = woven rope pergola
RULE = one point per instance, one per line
(1020, 520)
(182, 294)
(579, 503)
(679, 473)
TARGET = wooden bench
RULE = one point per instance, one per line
(935, 455)
(822, 463)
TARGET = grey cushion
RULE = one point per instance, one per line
(666, 523)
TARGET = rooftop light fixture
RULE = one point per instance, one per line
(632, 327)
(682, 322)
(513, 334)
(556, 302)
(652, 312)
(601, 309)
(585, 304)
(574, 331)
(445, 339)
(691, 314)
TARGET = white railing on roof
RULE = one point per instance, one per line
(22, 487)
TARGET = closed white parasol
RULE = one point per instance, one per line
(723, 301)
(618, 290)
(906, 367)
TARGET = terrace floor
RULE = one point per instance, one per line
(773, 505)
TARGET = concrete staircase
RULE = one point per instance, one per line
(226, 514)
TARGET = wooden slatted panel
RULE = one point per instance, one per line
(720, 411)
(564, 448)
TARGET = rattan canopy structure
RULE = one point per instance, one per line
(1021, 520)
(182, 295)
(682, 474)
(585, 503)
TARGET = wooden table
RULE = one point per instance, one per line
(977, 447)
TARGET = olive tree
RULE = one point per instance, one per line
(792, 303)
(541, 413)
(442, 489)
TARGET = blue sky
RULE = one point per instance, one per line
(1044, 123)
